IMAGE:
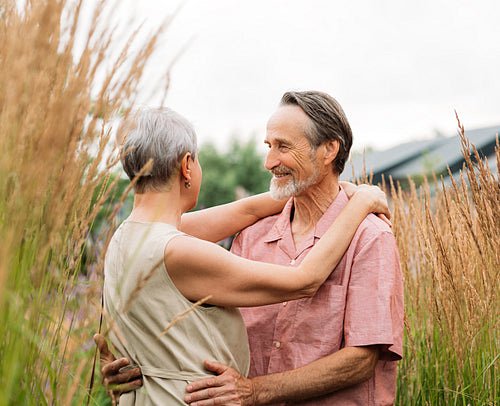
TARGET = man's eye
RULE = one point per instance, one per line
(284, 147)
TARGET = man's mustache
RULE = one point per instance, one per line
(281, 170)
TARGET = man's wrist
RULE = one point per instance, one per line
(263, 389)
(253, 392)
(256, 390)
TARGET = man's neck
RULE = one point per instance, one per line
(310, 206)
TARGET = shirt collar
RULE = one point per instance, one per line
(283, 220)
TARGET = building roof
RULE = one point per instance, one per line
(414, 158)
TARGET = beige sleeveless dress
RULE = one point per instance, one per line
(141, 300)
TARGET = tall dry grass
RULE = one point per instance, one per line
(57, 104)
(449, 245)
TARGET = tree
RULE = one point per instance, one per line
(242, 166)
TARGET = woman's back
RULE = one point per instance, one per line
(141, 300)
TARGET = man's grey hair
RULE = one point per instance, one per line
(160, 135)
(328, 122)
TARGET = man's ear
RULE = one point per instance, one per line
(331, 151)
(186, 166)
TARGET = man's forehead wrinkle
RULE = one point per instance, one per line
(285, 135)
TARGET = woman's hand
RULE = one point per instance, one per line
(349, 188)
(376, 198)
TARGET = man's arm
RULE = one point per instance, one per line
(344, 368)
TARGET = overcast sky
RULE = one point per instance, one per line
(399, 68)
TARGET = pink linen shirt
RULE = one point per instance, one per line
(360, 304)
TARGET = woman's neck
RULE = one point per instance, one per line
(160, 207)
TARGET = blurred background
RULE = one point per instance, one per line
(398, 68)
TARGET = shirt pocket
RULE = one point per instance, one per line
(320, 321)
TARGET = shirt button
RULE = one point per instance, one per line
(292, 262)
(278, 344)
(285, 303)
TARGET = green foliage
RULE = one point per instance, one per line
(108, 206)
(242, 166)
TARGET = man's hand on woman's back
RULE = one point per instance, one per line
(115, 374)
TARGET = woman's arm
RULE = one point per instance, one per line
(219, 222)
(199, 268)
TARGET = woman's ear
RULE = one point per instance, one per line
(186, 167)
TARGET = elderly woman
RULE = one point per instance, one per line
(154, 271)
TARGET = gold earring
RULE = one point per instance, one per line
(187, 185)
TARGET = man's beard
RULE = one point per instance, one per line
(293, 187)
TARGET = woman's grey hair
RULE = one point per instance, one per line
(159, 135)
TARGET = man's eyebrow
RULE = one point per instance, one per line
(278, 140)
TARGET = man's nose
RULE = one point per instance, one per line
(271, 160)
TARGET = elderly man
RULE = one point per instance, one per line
(342, 345)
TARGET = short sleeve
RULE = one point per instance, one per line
(374, 304)
(236, 247)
